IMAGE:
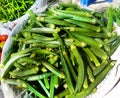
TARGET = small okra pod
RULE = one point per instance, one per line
(24, 73)
(25, 51)
(56, 81)
(98, 69)
(99, 52)
(90, 74)
(84, 25)
(53, 69)
(92, 56)
(9, 81)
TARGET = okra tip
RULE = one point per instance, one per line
(72, 46)
(22, 83)
(85, 86)
(39, 18)
(62, 75)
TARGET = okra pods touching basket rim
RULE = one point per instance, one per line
(110, 80)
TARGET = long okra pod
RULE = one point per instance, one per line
(39, 30)
(84, 25)
(76, 17)
(81, 74)
(90, 41)
(67, 74)
(70, 65)
(25, 72)
(54, 21)
(37, 77)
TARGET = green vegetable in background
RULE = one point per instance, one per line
(13, 9)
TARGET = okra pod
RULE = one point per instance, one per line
(37, 77)
(90, 74)
(84, 25)
(81, 74)
(85, 84)
(70, 65)
(98, 69)
(92, 56)
(76, 17)
(54, 21)
(53, 69)
(9, 64)
(90, 41)
(24, 73)
(99, 52)
(67, 73)
(39, 30)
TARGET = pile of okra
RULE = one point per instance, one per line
(63, 52)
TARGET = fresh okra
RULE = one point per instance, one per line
(62, 52)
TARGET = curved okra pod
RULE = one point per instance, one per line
(9, 64)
